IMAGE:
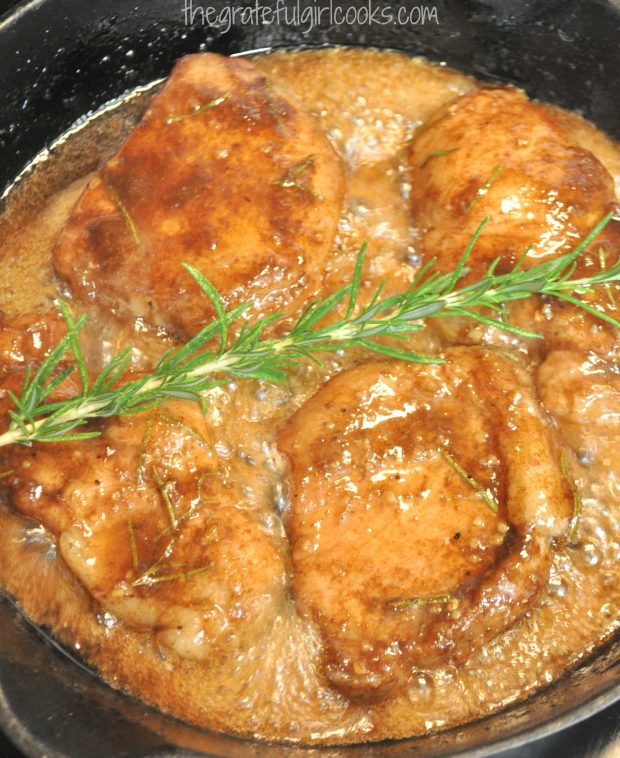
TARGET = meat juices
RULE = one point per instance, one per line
(224, 172)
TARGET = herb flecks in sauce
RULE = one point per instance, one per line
(486, 494)
(577, 502)
(198, 110)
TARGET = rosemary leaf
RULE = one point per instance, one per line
(577, 503)
(133, 547)
(423, 600)
(197, 111)
(150, 579)
(122, 208)
(495, 174)
(484, 493)
(437, 154)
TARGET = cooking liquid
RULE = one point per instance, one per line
(369, 103)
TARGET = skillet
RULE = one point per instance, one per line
(60, 59)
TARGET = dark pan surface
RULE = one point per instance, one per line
(63, 58)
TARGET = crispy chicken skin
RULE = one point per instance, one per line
(381, 514)
(142, 515)
(223, 172)
(494, 153)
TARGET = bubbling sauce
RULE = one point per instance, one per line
(369, 103)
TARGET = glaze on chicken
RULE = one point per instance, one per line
(224, 172)
(398, 559)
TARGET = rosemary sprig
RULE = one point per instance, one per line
(193, 368)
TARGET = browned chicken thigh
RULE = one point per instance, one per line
(425, 503)
(223, 172)
(145, 522)
(495, 154)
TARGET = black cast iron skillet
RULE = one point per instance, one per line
(60, 59)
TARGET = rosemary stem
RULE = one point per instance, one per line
(195, 367)
(17, 435)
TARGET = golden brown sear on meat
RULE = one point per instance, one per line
(495, 154)
(425, 503)
(144, 520)
(224, 172)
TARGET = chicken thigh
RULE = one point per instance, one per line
(495, 154)
(224, 172)
(426, 501)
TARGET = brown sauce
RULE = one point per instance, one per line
(369, 103)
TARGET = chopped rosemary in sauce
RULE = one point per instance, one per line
(133, 547)
(131, 225)
(197, 111)
(164, 491)
(439, 599)
(482, 191)
(484, 493)
(153, 578)
(142, 450)
(438, 154)
(290, 180)
(577, 502)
